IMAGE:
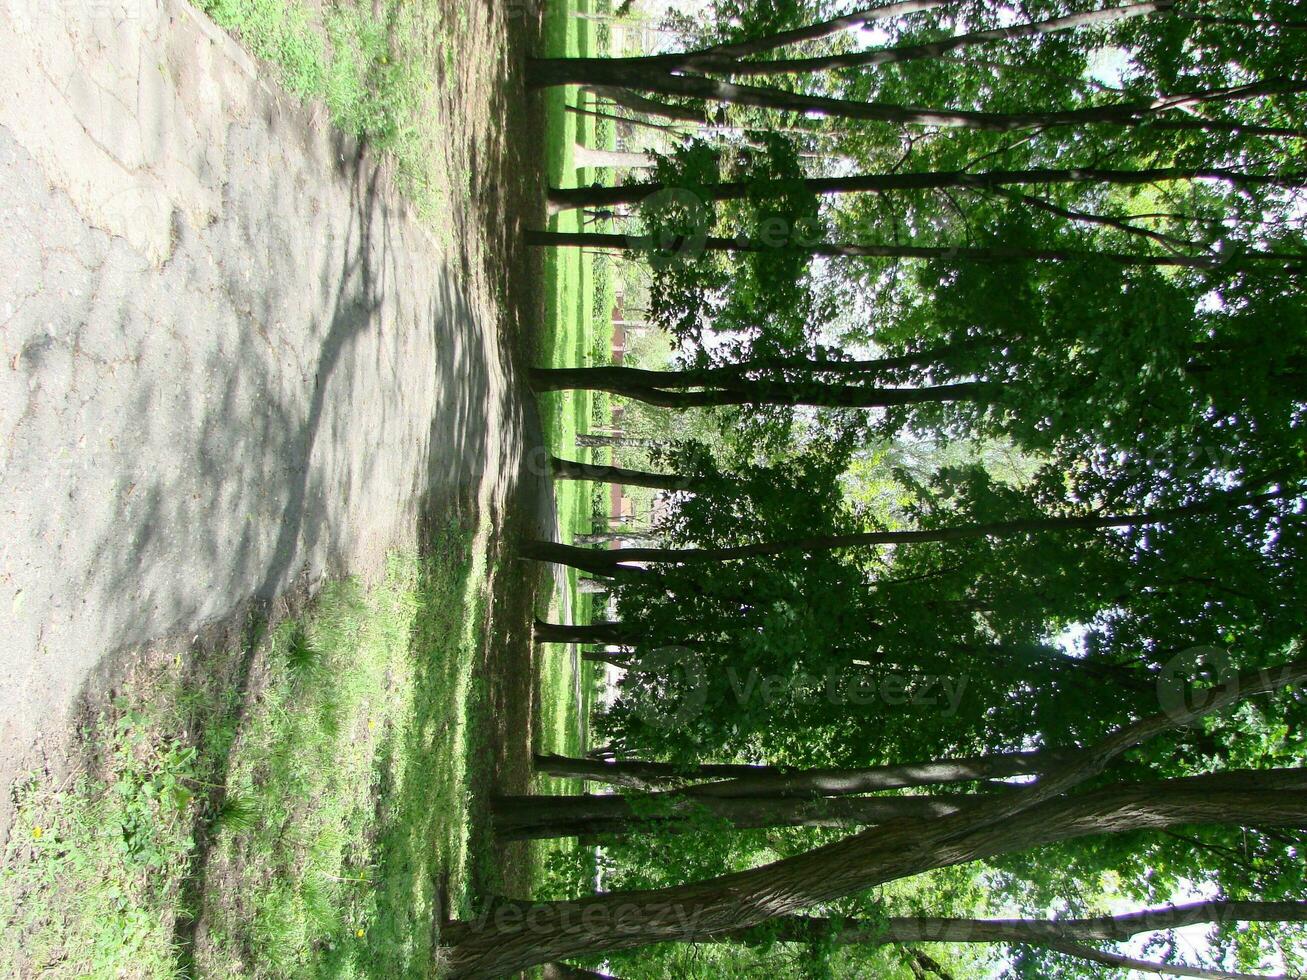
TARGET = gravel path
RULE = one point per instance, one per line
(231, 361)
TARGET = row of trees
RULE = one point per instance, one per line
(971, 233)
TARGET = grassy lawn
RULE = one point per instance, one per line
(306, 823)
(579, 295)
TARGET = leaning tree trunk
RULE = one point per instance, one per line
(626, 920)
(1043, 814)
(649, 107)
(817, 392)
(587, 815)
(739, 781)
(826, 28)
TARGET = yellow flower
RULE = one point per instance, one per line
(38, 833)
(360, 933)
(372, 724)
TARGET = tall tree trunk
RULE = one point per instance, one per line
(650, 107)
(1043, 814)
(605, 562)
(578, 633)
(1122, 962)
(561, 199)
(993, 253)
(931, 49)
(610, 73)
(825, 28)
(1030, 932)
(570, 469)
(590, 441)
(588, 815)
(612, 537)
(815, 390)
(741, 781)
(741, 376)
(595, 158)
(564, 971)
(716, 61)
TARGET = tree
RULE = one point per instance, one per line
(1043, 814)
(745, 781)
(617, 560)
(633, 193)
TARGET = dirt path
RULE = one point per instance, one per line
(231, 361)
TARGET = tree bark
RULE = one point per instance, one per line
(742, 781)
(825, 28)
(589, 815)
(1122, 962)
(562, 199)
(569, 469)
(717, 61)
(814, 391)
(737, 377)
(578, 633)
(1030, 932)
(588, 440)
(614, 921)
(605, 562)
(1043, 814)
(594, 158)
(993, 253)
(650, 107)
(609, 73)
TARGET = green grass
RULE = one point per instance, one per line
(579, 290)
(578, 302)
(377, 65)
(310, 823)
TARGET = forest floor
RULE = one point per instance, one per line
(264, 463)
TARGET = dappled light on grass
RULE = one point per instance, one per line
(304, 830)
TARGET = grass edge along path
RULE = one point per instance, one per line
(309, 825)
